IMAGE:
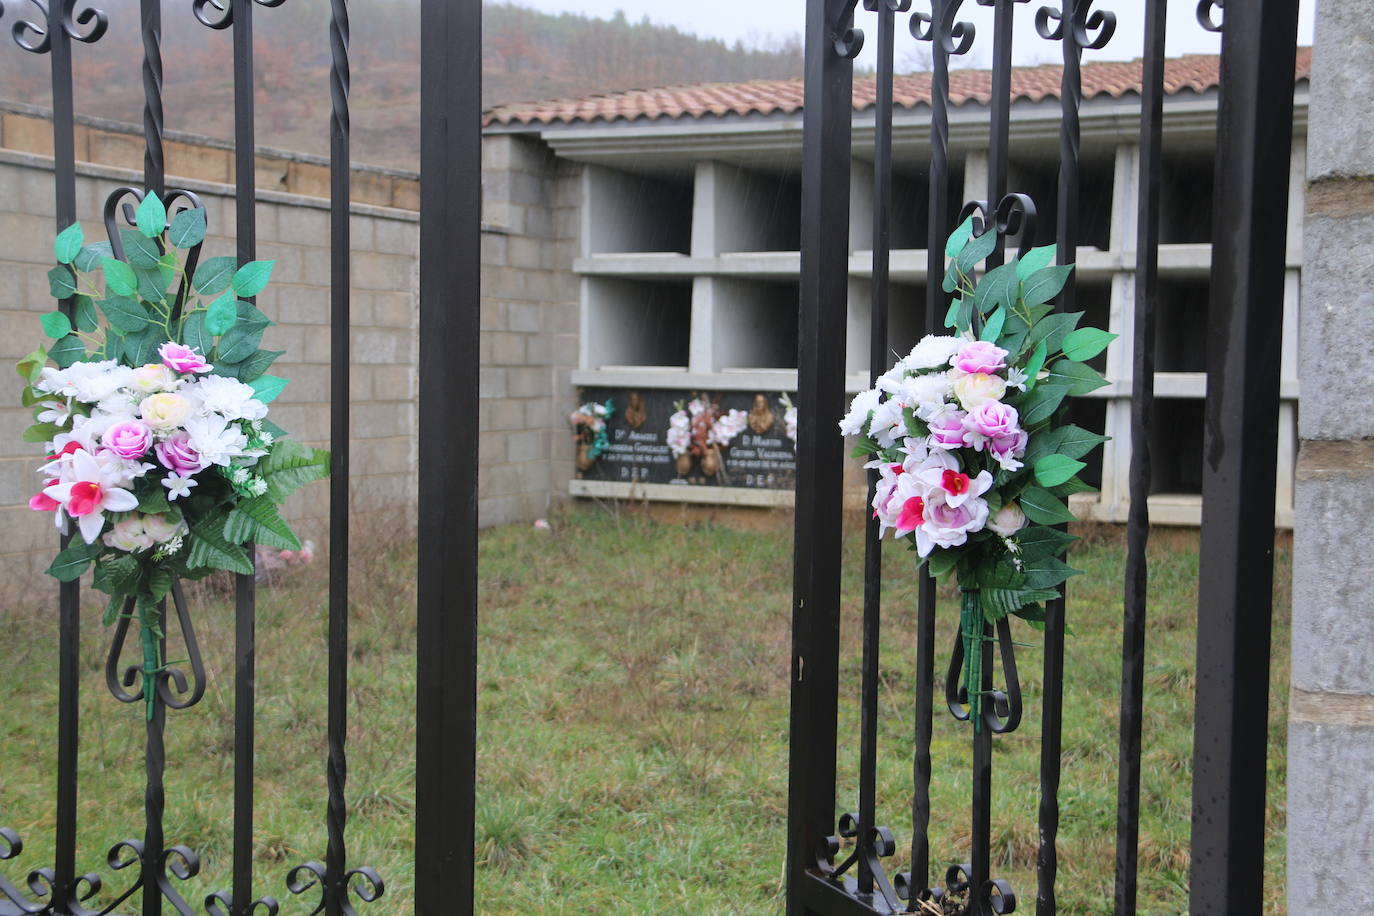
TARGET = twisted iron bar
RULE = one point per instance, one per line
(1206, 14)
(154, 167)
(87, 26)
(219, 14)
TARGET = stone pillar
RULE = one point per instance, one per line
(1331, 713)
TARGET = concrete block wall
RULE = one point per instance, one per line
(1331, 706)
(530, 320)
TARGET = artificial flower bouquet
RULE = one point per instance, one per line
(160, 459)
(589, 431)
(699, 430)
(974, 464)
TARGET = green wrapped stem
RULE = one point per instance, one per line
(150, 636)
(971, 627)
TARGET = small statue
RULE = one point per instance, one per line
(635, 412)
(761, 416)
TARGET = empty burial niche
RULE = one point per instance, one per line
(756, 210)
(755, 324)
(1181, 324)
(629, 212)
(1185, 197)
(641, 323)
(1039, 178)
(1176, 446)
(905, 320)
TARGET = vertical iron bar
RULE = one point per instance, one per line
(154, 793)
(69, 593)
(998, 143)
(878, 359)
(820, 453)
(450, 267)
(245, 599)
(936, 216)
(1245, 328)
(1066, 246)
(154, 168)
(1142, 414)
(336, 855)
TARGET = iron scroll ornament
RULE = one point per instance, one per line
(1015, 215)
(176, 201)
(1091, 30)
(303, 877)
(1206, 10)
(955, 37)
(219, 14)
(880, 845)
(86, 26)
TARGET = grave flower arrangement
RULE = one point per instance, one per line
(700, 430)
(974, 463)
(151, 400)
(589, 431)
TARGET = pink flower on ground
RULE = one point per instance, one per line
(177, 454)
(129, 440)
(181, 358)
(980, 356)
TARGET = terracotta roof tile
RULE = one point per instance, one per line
(1196, 72)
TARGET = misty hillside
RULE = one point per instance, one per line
(528, 55)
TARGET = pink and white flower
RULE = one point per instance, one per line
(980, 357)
(92, 485)
(181, 358)
(129, 439)
(978, 388)
(947, 430)
(949, 526)
(990, 420)
(176, 454)
(1008, 520)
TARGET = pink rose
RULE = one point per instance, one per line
(990, 420)
(980, 356)
(947, 430)
(176, 454)
(181, 358)
(129, 439)
(1006, 449)
(949, 526)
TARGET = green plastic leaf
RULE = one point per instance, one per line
(1047, 572)
(1069, 441)
(1041, 403)
(194, 333)
(952, 315)
(1052, 328)
(977, 251)
(209, 548)
(1085, 343)
(992, 328)
(119, 277)
(151, 216)
(30, 368)
(252, 367)
(67, 245)
(42, 432)
(154, 501)
(1079, 378)
(1044, 508)
(55, 325)
(113, 609)
(153, 283)
(221, 315)
(188, 229)
(959, 238)
(212, 277)
(997, 287)
(1000, 603)
(1041, 540)
(117, 575)
(1035, 364)
(61, 283)
(252, 278)
(257, 519)
(964, 320)
(67, 351)
(267, 387)
(141, 348)
(125, 313)
(159, 583)
(1034, 260)
(290, 466)
(87, 320)
(1052, 470)
(88, 259)
(1045, 284)
(68, 565)
(251, 315)
(240, 343)
(941, 562)
(139, 250)
(1071, 486)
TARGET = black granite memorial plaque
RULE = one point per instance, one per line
(696, 438)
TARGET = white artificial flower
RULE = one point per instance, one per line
(57, 412)
(864, 403)
(888, 422)
(227, 397)
(928, 394)
(238, 475)
(90, 486)
(932, 352)
(178, 486)
(1016, 378)
(727, 427)
(216, 440)
(258, 487)
(266, 438)
(679, 438)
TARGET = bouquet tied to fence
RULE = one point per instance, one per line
(974, 464)
(152, 400)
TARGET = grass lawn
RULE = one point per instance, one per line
(633, 746)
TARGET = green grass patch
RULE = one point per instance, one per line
(633, 726)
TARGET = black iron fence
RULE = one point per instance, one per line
(1243, 332)
(153, 862)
